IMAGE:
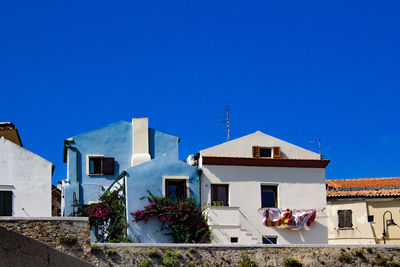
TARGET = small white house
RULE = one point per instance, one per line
(243, 178)
(25, 181)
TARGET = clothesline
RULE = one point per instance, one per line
(295, 219)
(318, 210)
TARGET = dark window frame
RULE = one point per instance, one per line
(215, 196)
(370, 218)
(6, 203)
(185, 187)
(107, 165)
(275, 152)
(345, 219)
(274, 189)
(273, 239)
(234, 239)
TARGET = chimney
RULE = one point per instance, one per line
(140, 140)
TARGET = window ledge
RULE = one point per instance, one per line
(346, 228)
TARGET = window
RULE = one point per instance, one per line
(269, 197)
(345, 218)
(234, 239)
(175, 189)
(99, 165)
(266, 152)
(269, 240)
(219, 194)
(5, 203)
(371, 218)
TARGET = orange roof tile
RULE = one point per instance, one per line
(364, 193)
(364, 182)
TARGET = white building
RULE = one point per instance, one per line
(242, 178)
(25, 178)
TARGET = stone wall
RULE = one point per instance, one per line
(70, 235)
(211, 255)
(18, 250)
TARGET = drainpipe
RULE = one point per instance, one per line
(76, 171)
(199, 171)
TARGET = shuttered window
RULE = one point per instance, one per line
(345, 218)
(101, 166)
(266, 152)
(108, 166)
(5, 203)
(277, 152)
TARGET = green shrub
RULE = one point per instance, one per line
(394, 264)
(95, 248)
(108, 217)
(192, 250)
(291, 262)
(109, 252)
(191, 264)
(145, 263)
(153, 253)
(68, 240)
(246, 262)
(169, 259)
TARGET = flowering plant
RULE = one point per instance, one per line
(108, 216)
(183, 219)
(98, 213)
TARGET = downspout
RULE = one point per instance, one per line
(76, 171)
(199, 171)
(77, 177)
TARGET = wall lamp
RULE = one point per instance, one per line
(386, 225)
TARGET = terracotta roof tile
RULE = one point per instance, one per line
(364, 193)
(364, 182)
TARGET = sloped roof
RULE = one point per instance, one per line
(364, 182)
(8, 130)
(364, 193)
(364, 187)
(242, 147)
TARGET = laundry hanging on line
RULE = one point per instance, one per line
(295, 219)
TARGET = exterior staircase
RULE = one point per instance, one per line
(225, 225)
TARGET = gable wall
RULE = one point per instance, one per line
(28, 176)
(242, 147)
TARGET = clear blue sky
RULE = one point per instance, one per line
(295, 70)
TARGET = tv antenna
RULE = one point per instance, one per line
(226, 121)
(319, 146)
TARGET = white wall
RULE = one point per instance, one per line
(242, 147)
(28, 176)
(298, 188)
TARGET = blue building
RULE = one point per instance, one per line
(148, 157)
